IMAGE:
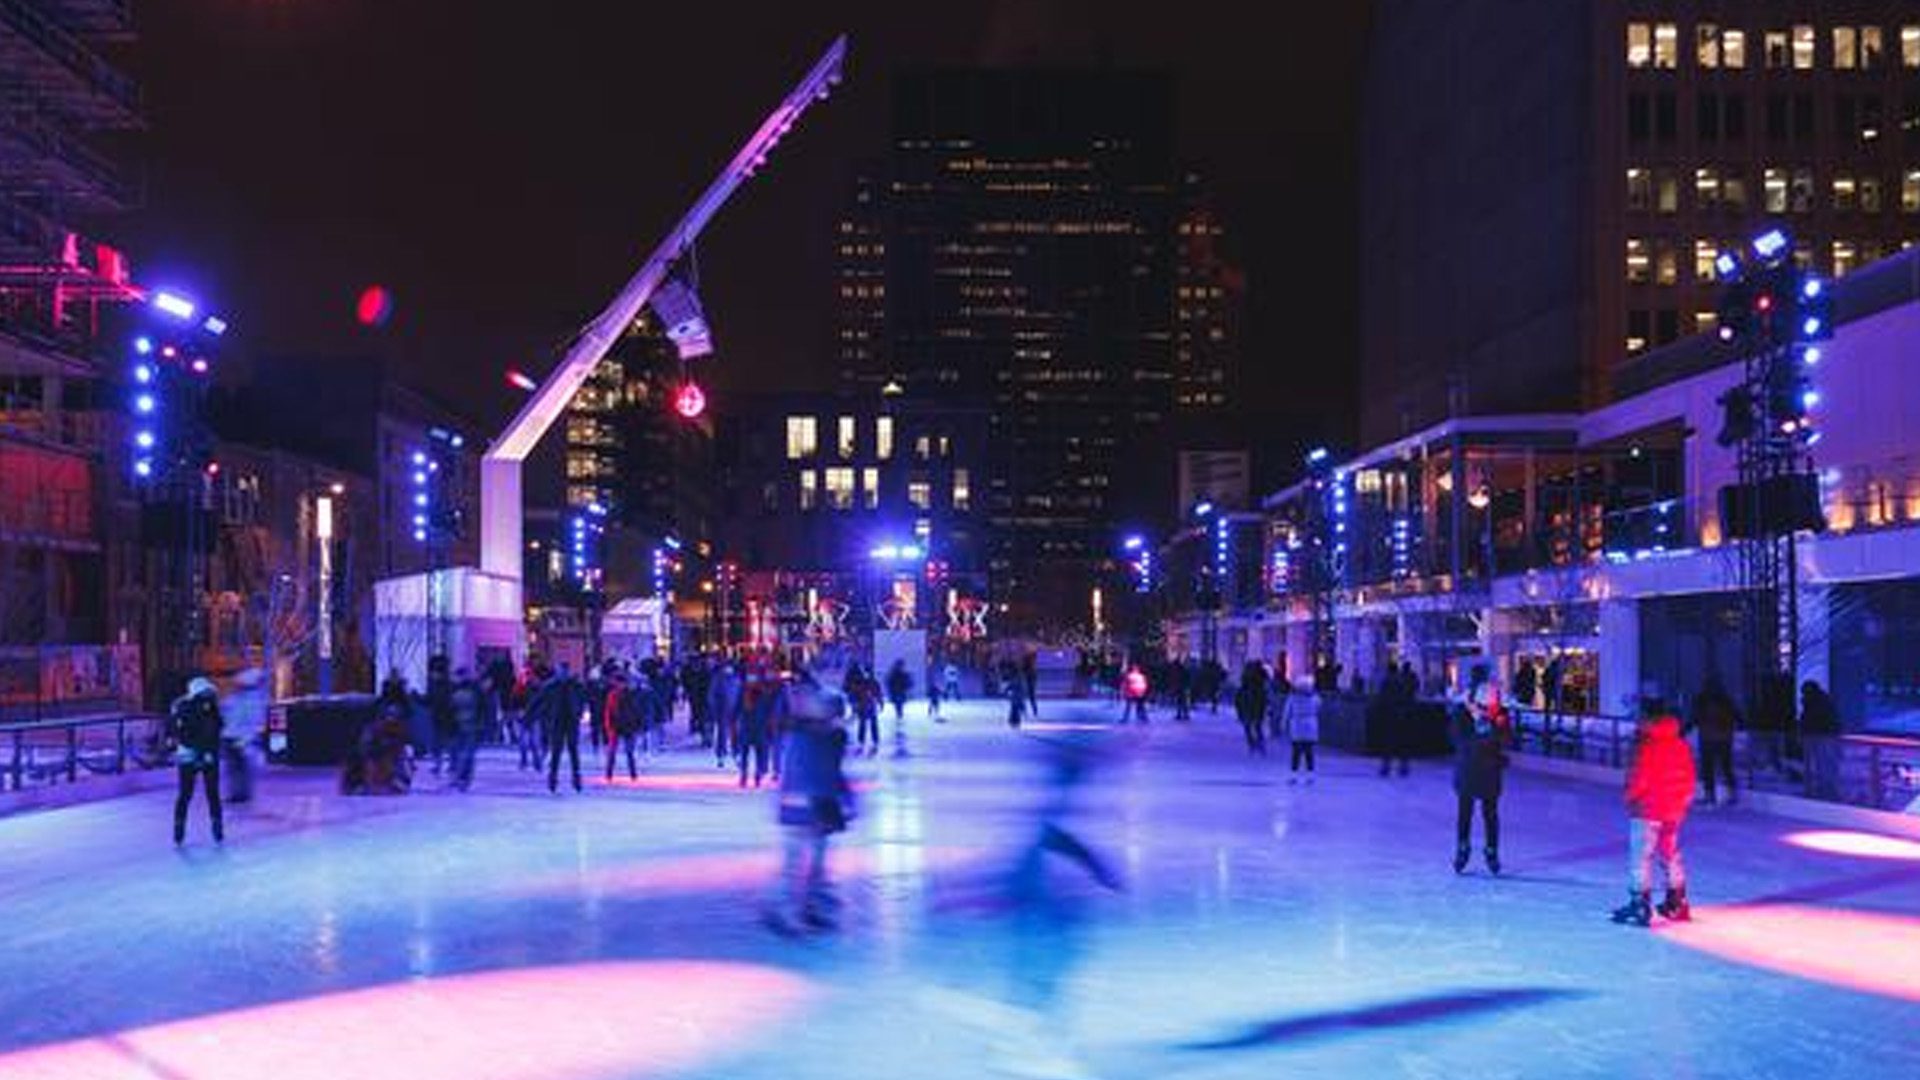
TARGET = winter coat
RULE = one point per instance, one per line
(899, 684)
(467, 706)
(196, 725)
(1660, 783)
(1134, 684)
(1714, 715)
(813, 785)
(1301, 717)
(1250, 701)
(1479, 752)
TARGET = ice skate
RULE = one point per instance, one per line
(1493, 861)
(1460, 857)
(1637, 911)
(1674, 906)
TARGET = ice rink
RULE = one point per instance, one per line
(1265, 929)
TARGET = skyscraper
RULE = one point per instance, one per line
(1016, 254)
(1546, 186)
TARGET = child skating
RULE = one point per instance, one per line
(1659, 792)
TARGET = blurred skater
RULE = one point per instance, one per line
(815, 803)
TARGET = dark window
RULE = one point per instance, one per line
(1872, 120)
(1639, 329)
(1638, 124)
(1910, 116)
(1707, 117)
(1666, 326)
(1736, 118)
(1665, 123)
(1777, 117)
(1803, 117)
(1846, 115)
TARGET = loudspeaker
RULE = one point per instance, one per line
(1786, 504)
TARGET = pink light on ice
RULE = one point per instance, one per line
(1860, 950)
(1859, 844)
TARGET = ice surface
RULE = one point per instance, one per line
(1266, 929)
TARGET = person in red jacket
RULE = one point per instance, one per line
(1659, 791)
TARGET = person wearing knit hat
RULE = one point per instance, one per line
(195, 725)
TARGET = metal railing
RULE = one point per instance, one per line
(51, 751)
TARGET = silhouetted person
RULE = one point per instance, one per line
(195, 725)
(1716, 719)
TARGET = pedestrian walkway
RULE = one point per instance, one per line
(1266, 928)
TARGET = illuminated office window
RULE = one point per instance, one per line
(962, 490)
(1705, 253)
(883, 438)
(1800, 195)
(1846, 48)
(849, 436)
(1733, 191)
(803, 437)
(1639, 262)
(1910, 192)
(919, 494)
(1773, 187)
(1910, 46)
(870, 487)
(839, 488)
(1639, 45)
(1639, 189)
(1873, 48)
(1706, 45)
(1733, 48)
(1846, 193)
(809, 489)
(1666, 46)
(1666, 263)
(1846, 256)
(1776, 49)
(1802, 47)
(1666, 191)
(1869, 194)
(1706, 188)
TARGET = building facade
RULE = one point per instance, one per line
(1546, 187)
(1015, 256)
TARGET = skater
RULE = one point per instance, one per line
(815, 802)
(933, 697)
(624, 717)
(723, 708)
(195, 724)
(1250, 704)
(1820, 741)
(952, 690)
(1395, 703)
(556, 707)
(758, 706)
(1030, 681)
(1016, 691)
(1480, 728)
(1659, 789)
(1716, 719)
(1302, 719)
(1134, 688)
(1180, 686)
(468, 704)
(439, 703)
(246, 721)
(862, 694)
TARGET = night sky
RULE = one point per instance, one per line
(504, 167)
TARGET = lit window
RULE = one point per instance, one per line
(1870, 194)
(1639, 189)
(1910, 46)
(1639, 329)
(1639, 45)
(1801, 197)
(1639, 264)
(1706, 45)
(1666, 191)
(923, 447)
(809, 489)
(962, 490)
(1666, 46)
(1910, 192)
(1705, 253)
(803, 438)
(1846, 256)
(883, 438)
(1872, 48)
(919, 494)
(1774, 189)
(1846, 48)
(1666, 264)
(1733, 49)
(848, 436)
(922, 530)
(1733, 191)
(870, 487)
(1706, 188)
(1803, 47)
(839, 488)
(1776, 49)
(1845, 192)
(1705, 321)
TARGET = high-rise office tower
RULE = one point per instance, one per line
(1546, 186)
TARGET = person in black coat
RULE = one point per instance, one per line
(1480, 731)
(195, 724)
(555, 705)
(1250, 704)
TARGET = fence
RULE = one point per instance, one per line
(51, 751)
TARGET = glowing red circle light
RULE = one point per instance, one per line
(375, 306)
(690, 401)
